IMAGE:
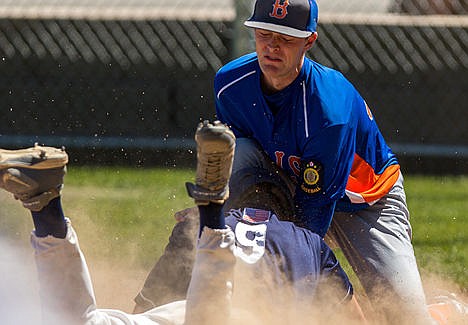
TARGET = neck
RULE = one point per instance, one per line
(272, 84)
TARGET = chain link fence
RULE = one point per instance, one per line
(135, 77)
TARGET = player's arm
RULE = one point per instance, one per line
(231, 114)
(335, 289)
(231, 118)
(323, 175)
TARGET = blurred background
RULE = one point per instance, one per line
(126, 82)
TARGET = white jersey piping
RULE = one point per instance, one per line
(233, 82)
(304, 102)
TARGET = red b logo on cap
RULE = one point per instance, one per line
(280, 9)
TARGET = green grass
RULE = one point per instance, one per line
(439, 215)
(119, 213)
(127, 214)
(438, 208)
(132, 208)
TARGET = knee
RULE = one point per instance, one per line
(246, 146)
(248, 154)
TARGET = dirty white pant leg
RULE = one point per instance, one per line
(210, 291)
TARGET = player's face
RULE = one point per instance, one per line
(280, 57)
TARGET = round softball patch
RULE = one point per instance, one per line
(312, 177)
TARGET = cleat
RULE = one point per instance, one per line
(37, 157)
(215, 154)
(34, 175)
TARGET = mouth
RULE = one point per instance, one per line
(271, 59)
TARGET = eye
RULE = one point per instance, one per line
(263, 34)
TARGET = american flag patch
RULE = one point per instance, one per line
(256, 215)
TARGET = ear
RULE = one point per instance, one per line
(311, 40)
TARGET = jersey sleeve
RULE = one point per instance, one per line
(230, 117)
(375, 167)
(227, 111)
(324, 171)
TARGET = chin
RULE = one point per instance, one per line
(269, 69)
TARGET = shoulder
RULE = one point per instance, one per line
(236, 71)
(288, 234)
(332, 91)
(238, 65)
(326, 78)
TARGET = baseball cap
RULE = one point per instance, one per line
(261, 189)
(296, 18)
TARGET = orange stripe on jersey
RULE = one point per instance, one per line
(367, 186)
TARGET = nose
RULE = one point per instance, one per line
(273, 44)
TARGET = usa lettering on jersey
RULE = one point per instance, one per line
(294, 162)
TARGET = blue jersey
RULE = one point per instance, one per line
(318, 129)
(289, 255)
